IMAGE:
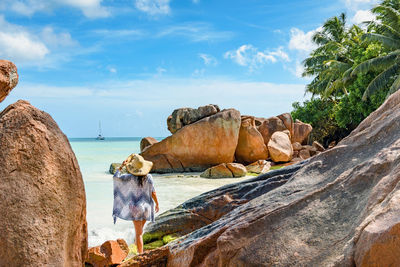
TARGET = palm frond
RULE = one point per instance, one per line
(394, 87)
(389, 42)
(380, 81)
(376, 64)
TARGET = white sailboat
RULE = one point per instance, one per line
(100, 137)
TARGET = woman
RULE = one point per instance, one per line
(134, 194)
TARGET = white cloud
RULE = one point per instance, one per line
(44, 48)
(250, 56)
(56, 40)
(112, 69)
(153, 7)
(195, 32)
(160, 71)
(90, 8)
(301, 41)
(109, 99)
(208, 60)
(19, 45)
(119, 33)
(363, 16)
(355, 5)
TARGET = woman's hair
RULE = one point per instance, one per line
(141, 178)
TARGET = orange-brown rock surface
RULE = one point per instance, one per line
(42, 195)
(280, 148)
(197, 146)
(339, 208)
(250, 147)
(260, 166)
(147, 141)
(301, 131)
(225, 170)
(269, 126)
(109, 253)
(8, 78)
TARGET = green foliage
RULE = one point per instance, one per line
(153, 245)
(320, 114)
(353, 70)
(151, 236)
(169, 238)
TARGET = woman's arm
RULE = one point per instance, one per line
(118, 173)
(154, 196)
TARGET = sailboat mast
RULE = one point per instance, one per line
(99, 128)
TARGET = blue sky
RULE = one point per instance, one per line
(130, 63)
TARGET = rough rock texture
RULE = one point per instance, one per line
(318, 146)
(297, 146)
(301, 131)
(198, 146)
(250, 147)
(339, 208)
(288, 122)
(210, 206)
(304, 154)
(280, 148)
(237, 169)
(185, 116)
(147, 141)
(260, 166)
(109, 253)
(269, 126)
(152, 258)
(225, 170)
(8, 78)
(42, 195)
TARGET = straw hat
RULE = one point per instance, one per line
(137, 165)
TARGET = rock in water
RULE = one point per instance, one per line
(147, 141)
(8, 78)
(251, 145)
(280, 147)
(198, 146)
(184, 116)
(339, 208)
(42, 195)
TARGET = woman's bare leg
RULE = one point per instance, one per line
(139, 234)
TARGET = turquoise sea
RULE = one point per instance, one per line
(95, 156)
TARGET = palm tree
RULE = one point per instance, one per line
(387, 32)
(331, 63)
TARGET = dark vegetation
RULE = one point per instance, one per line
(354, 69)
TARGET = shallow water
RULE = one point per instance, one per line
(94, 159)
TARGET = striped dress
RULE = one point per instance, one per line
(131, 201)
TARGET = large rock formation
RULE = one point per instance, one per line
(280, 147)
(250, 147)
(185, 116)
(8, 78)
(269, 126)
(198, 146)
(146, 142)
(301, 131)
(339, 208)
(42, 195)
